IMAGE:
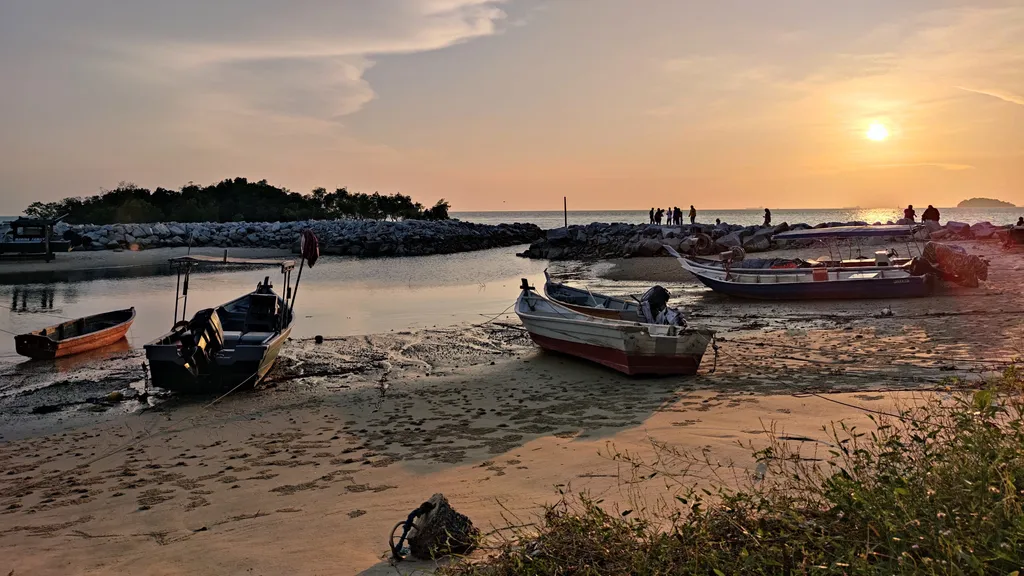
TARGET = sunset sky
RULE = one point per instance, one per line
(511, 105)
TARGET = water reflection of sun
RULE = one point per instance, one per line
(883, 215)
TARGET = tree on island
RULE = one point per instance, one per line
(984, 203)
(232, 200)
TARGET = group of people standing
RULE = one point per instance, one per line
(672, 216)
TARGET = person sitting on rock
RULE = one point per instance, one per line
(1020, 221)
(909, 213)
(930, 213)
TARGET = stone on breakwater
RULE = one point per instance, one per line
(351, 237)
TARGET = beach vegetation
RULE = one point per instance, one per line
(233, 200)
(931, 488)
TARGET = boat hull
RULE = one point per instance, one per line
(739, 267)
(629, 364)
(629, 347)
(38, 346)
(245, 367)
(909, 287)
(34, 248)
(812, 283)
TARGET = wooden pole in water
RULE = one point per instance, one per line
(565, 210)
(47, 230)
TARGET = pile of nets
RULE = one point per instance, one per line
(956, 264)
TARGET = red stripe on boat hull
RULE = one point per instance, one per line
(618, 360)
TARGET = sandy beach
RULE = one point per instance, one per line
(308, 473)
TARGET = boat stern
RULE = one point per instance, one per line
(35, 346)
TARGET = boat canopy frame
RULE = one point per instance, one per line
(833, 236)
(184, 265)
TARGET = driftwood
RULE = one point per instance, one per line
(440, 531)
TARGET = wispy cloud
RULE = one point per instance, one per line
(1000, 94)
(938, 165)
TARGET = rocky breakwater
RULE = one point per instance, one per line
(599, 241)
(362, 238)
(602, 241)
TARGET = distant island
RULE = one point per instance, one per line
(984, 203)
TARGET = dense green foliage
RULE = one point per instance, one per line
(936, 490)
(234, 200)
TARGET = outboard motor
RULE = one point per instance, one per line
(657, 299)
(204, 338)
(654, 308)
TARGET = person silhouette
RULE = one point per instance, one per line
(693, 214)
(909, 213)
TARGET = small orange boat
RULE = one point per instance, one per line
(75, 336)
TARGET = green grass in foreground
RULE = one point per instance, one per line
(937, 490)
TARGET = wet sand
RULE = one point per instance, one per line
(309, 473)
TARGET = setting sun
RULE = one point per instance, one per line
(878, 132)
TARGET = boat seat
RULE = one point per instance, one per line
(262, 315)
(233, 339)
(255, 338)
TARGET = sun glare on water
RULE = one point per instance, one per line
(878, 132)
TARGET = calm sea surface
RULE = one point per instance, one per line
(340, 296)
(554, 219)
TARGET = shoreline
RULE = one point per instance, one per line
(349, 436)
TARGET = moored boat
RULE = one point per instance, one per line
(75, 336)
(812, 283)
(32, 237)
(230, 346)
(884, 259)
(629, 347)
(587, 302)
(881, 259)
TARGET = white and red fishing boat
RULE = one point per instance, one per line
(632, 348)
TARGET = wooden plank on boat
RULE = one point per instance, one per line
(230, 261)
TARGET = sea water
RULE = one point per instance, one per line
(555, 219)
(340, 296)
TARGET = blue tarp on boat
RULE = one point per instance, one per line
(848, 232)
